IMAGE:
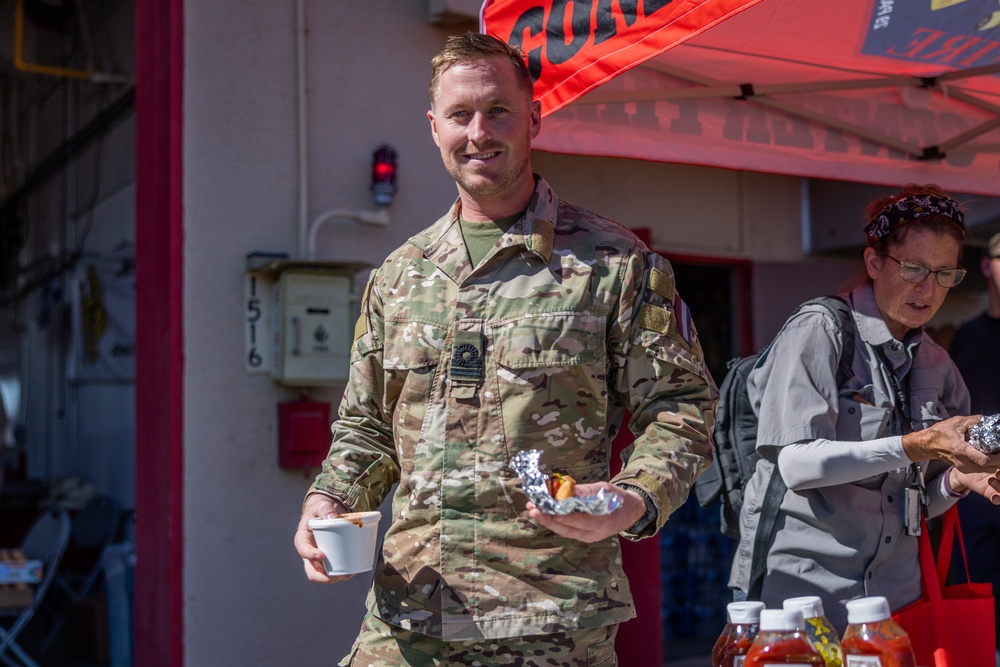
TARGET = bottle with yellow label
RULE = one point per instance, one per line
(821, 632)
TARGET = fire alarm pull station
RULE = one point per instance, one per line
(303, 433)
(311, 324)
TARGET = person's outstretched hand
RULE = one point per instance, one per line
(588, 527)
(947, 441)
(317, 506)
(985, 484)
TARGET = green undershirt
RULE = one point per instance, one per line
(480, 237)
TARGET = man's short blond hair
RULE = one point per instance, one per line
(472, 47)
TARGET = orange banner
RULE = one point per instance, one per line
(573, 46)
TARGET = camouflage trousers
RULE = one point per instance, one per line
(383, 645)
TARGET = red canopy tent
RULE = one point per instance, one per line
(873, 91)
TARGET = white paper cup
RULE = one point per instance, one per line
(348, 542)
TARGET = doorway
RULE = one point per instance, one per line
(694, 554)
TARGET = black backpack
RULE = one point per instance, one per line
(735, 438)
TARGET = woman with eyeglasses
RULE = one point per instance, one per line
(857, 458)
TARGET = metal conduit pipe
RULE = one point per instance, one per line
(66, 72)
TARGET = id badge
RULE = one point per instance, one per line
(914, 524)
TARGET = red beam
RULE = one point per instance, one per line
(159, 621)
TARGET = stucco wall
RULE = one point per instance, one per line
(247, 601)
(689, 210)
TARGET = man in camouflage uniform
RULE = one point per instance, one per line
(560, 322)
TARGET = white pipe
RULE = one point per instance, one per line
(301, 126)
(379, 218)
(307, 231)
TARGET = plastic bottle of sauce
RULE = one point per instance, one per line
(731, 647)
(782, 641)
(819, 629)
(872, 638)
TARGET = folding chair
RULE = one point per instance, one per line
(93, 530)
(46, 541)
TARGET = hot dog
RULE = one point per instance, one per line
(560, 486)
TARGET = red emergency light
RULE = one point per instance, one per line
(384, 175)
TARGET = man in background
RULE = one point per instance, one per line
(975, 349)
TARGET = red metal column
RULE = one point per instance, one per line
(159, 620)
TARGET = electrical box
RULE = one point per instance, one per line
(303, 433)
(312, 321)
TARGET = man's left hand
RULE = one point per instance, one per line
(588, 527)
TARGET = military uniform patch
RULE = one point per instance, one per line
(662, 283)
(467, 356)
(361, 326)
(654, 318)
(684, 323)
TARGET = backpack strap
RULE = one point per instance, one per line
(776, 487)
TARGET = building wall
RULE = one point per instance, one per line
(246, 598)
(690, 210)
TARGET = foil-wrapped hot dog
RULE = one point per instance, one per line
(985, 436)
(533, 482)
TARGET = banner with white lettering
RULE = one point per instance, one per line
(874, 91)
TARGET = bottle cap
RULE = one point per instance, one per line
(810, 605)
(744, 613)
(780, 619)
(868, 610)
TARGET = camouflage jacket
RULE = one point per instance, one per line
(565, 324)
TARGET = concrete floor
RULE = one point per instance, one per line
(689, 661)
(686, 653)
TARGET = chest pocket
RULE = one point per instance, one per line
(926, 409)
(858, 419)
(551, 381)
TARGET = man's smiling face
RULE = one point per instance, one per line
(483, 122)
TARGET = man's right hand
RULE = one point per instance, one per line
(317, 506)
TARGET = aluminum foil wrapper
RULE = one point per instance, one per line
(985, 436)
(526, 465)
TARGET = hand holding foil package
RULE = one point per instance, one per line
(533, 481)
(985, 436)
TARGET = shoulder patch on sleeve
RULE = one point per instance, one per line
(654, 318)
(662, 283)
(684, 322)
(361, 326)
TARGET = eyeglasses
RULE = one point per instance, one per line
(917, 273)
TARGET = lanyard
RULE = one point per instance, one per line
(916, 498)
(901, 404)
